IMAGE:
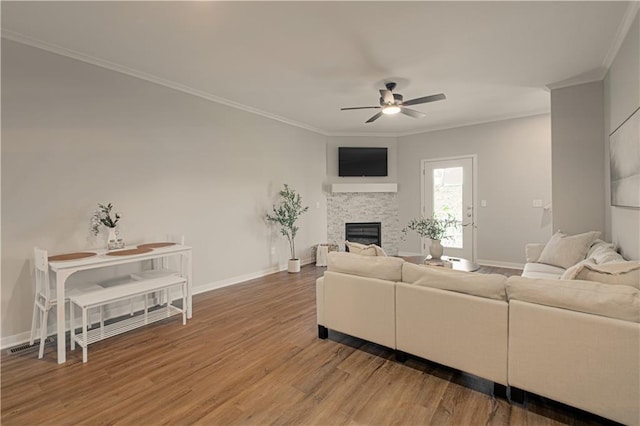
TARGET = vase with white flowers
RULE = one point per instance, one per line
(434, 229)
(105, 216)
(286, 214)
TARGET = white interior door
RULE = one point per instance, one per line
(448, 189)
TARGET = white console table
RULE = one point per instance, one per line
(62, 270)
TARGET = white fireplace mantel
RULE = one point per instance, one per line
(364, 187)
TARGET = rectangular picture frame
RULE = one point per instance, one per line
(624, 160)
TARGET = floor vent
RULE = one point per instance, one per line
(27, 347)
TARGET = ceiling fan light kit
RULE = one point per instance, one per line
(392, 103)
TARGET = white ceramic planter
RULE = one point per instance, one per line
(436, 249)
(294, 266)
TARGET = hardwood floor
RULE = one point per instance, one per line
(251, 355)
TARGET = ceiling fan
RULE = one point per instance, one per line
(392, 103)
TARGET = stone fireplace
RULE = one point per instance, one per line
(363, 207)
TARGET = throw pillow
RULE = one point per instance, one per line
(379, 250)
(566, 250)
(602, 252)
(363, 250)
(618, 273)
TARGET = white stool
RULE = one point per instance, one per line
(321, 255)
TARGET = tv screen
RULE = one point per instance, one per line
(362, 161)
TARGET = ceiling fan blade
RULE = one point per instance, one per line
(387, 96)
(424, 100)
(412, 113)
(345, 109)
(374, 118)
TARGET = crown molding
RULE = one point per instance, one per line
(362, 134)
(600, 73)
(474, 123)
(621, 33)
(597, 74)
(59, 50)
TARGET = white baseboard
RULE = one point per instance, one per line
(499, 264)
(21, 338)
(245, 277)
(15, 340)
(237, 279)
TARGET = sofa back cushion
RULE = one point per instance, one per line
(381, 267)
(490, 286)
(613, 301)
(566, 250)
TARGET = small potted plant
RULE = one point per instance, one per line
(286, 214)
(433, 228)
(102, 217)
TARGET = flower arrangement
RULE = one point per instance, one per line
(431, 227)
(286, 215)
(102, 216)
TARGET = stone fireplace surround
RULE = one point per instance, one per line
(343, 207)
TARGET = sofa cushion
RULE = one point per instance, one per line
(412, 272)
(490, 286)
(613, 301)
(566, 250)
(381, 267)
(617, 273)
(365, 250)
(540, 270)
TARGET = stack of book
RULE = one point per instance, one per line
(438, 262)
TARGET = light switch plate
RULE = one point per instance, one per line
(537, 203)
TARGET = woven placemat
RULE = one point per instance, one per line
(71, 256)
(156, 245)
(129, 252)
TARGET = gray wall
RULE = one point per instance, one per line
(74, 135)
(514, 167)
(622, 97)
(577, 126)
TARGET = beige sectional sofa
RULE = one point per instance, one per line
(577, 342)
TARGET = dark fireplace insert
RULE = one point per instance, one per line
(363, 233)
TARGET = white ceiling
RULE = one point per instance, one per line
(302, 61)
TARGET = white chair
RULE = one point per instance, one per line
(44, 300)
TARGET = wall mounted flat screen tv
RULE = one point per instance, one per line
(362, 161)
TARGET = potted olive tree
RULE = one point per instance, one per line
(434, 229)
(286, 214)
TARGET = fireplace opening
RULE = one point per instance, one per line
(363, 233)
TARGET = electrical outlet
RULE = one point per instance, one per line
(483, 203)
(536, 203)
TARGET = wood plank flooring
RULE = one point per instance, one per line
(251, 355)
